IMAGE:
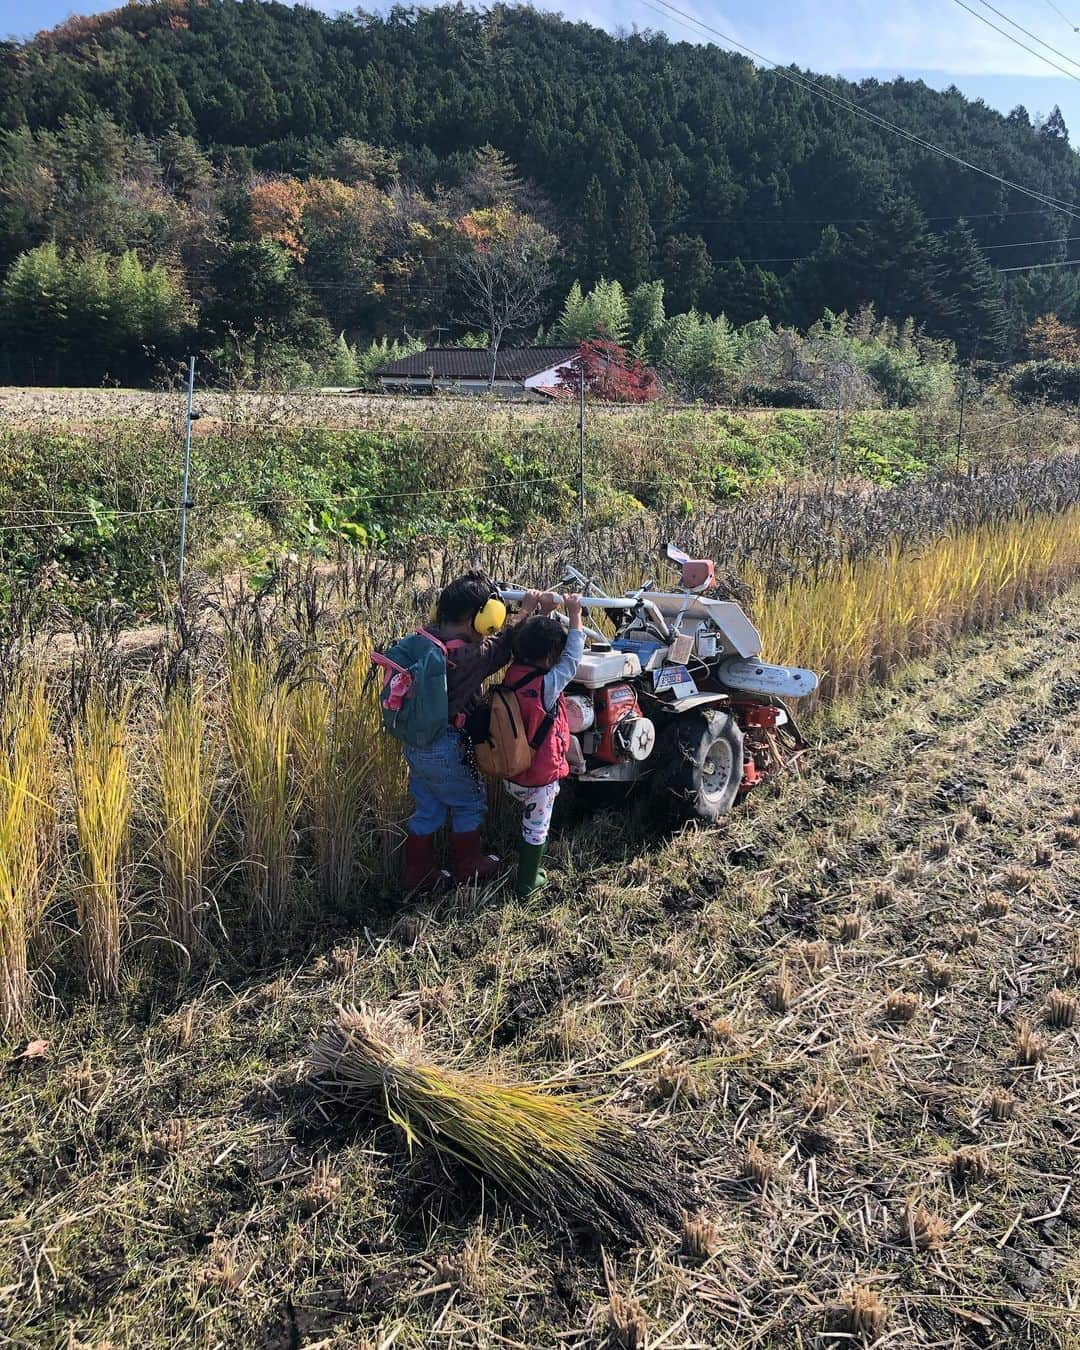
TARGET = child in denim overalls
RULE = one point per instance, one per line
(441, 782)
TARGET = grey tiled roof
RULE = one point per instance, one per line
(472, 363)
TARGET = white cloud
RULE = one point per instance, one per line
(865, 34)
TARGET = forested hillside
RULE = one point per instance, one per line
(254, 177)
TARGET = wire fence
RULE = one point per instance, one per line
(489, 423)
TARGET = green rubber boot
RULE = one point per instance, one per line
(529, 876)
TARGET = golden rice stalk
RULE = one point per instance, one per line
(27, 837)
(860, 619)
(257, 731)
(554, 1155)
(185, 767)
(337, 741)
(101, 789)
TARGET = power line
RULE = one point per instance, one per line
(1034, 267)
(1016, 41)
(1027, 32)
(809, 85)
(1063, 15)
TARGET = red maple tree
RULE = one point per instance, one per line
(611, 373)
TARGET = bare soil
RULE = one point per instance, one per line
(828, 998)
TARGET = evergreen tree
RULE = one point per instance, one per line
(607, 311)
(35, 300)
(573, 324)
(980, 324)
(88, 288)
(594, 251)
(262, 108)
(342, 372)
(635, 242)
(747, 294)
(686, 269)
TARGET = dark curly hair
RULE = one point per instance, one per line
(464, 598)
(539, 642)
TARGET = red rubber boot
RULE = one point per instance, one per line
(420, 872)
(471, 863)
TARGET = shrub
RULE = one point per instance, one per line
(1056, 382)
(786, 394)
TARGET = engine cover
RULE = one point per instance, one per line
(612, 705)
(635, 738)
(580, 713)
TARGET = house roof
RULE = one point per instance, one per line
(474, 363)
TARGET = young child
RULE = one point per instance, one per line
(469, 620)
(544, 647)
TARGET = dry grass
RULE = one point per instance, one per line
(339, 752)
(859, 618)
(851, 926)
(900, 1006)
(554, 1155)
(861, 1313)
(970, 1164)
(925, 1230)
(1061, 1009)
(1029, 1046)
(700, 1238)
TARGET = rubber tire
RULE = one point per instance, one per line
(702, 759)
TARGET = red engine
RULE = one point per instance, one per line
(613, 704)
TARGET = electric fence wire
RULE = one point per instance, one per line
(49, 518)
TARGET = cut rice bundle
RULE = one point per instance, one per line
(552, 1154)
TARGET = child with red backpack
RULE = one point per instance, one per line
(546, 658)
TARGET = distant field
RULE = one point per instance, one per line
(81, 406)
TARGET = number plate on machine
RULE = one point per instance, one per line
(676, 678)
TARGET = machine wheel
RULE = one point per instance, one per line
(702, 764)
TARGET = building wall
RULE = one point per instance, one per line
(545, 378)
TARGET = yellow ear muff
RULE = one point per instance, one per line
(491, 618)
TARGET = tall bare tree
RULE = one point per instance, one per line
(502, 280)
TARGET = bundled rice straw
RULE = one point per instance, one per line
(553, 1155)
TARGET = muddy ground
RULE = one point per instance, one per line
(839, 988)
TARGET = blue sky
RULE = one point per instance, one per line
(934, 40)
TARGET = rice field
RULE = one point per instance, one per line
(807, 1078)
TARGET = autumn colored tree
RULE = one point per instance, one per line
(1050, 339)
(277, 213)
(612, 375)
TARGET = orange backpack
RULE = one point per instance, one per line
(502, 747)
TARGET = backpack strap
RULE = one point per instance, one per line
(534, 671)
(543, 731)
(378, 659)
(423, 632)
